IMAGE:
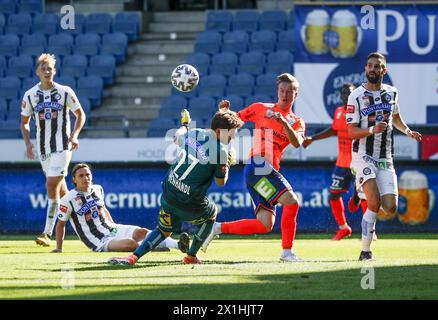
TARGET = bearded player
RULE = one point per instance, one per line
(276, 127)
(342, 176)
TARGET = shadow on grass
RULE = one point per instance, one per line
(407, 282)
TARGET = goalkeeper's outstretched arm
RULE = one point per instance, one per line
(185, 121)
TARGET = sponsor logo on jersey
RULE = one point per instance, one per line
(366, 171)
(86, 207)
(350, 108)
(57, 96)
(63, 208)
(376, 107)
(48, 105)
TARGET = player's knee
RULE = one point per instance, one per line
(334, 196)
(268, 226)
(373, 204)
(288, 198)
(390, 209)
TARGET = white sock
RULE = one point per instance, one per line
(287, 252)
(217, 228)
(343, 227)
(52, 210)
(368, 227)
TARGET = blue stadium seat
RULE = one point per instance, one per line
(78, 27)
(103, 66)
(280, 62)
(99, 23)
(2, 22)
(74, 65)
(204, 102)
(224, 63)
(60, 44)
(235, 41)
(170, 113)
(28, 83)
(10, 87)
(247, 20)
(219, 20)
(200, 60)
(263, 41)
(66, 81)
(116, 44)
(258, 98)
(213, 85)
(85, 104)
(8, 6)
(87, 44)
(30, 6)
(252, 62)
(19, 23)
(127, 23)
(14, 110)
(20, 66)
(172, 102)
(240, 84)
(291, 19)
(33, 44)
(9, 44)
(286, 40)
(3, 66)
(159, 127)
(266, 84)
(46, 23)
(236, 101)
(274, 20)
(10, 129)
(92, 88)
(208, 42)
(3, 108)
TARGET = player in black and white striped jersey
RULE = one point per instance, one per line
(84, 207)
(372, 113)
(50, 103)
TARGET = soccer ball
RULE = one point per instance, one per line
(185, 77)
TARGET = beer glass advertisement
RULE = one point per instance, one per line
(332, 45)
(133, 196)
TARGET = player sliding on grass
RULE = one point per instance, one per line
(342, 175)
(372, 114)
(276, 127)
(202, 156)
(85, 207)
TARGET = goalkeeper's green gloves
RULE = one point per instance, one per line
(185, 117)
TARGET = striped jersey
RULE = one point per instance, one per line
(85, 212)
(50, 108)
(368, 108)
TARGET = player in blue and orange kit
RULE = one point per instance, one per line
(276, 127)
(342, 176)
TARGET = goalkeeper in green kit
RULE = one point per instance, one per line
(202, 156)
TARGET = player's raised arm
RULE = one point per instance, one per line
(185, 121)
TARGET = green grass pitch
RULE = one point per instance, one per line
(234, 268)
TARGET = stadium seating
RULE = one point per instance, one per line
(74, 65)
(219, 20)
(252, 62)
(128, 23)
(116, 44)
(236, 102)
(85, 104)
(9, 44)
(240, 84)
(31, 6)
(3, 65)
(19, 23)
(214, 85)
(266, 84)
(66, 81)
(258, 98)
(14, 110)
(247, 20)
(87, 44)
(200, 61)
(274, 20)
(91, 87)
(263, 41)
(10, 87)
(20, 66)
(8, 6)
(159, 127)
(79, 25)
(189, 94)
(2, 22)
(46, 23)
(103, 66)
(99, 23)
(224, 63)
(279, 62)
(204, 102)
(286, 40)
(28, 83)
(235, 41)
(208, 42)
(33, 44)
(171, 102)
(3, 108)
(60, 44)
